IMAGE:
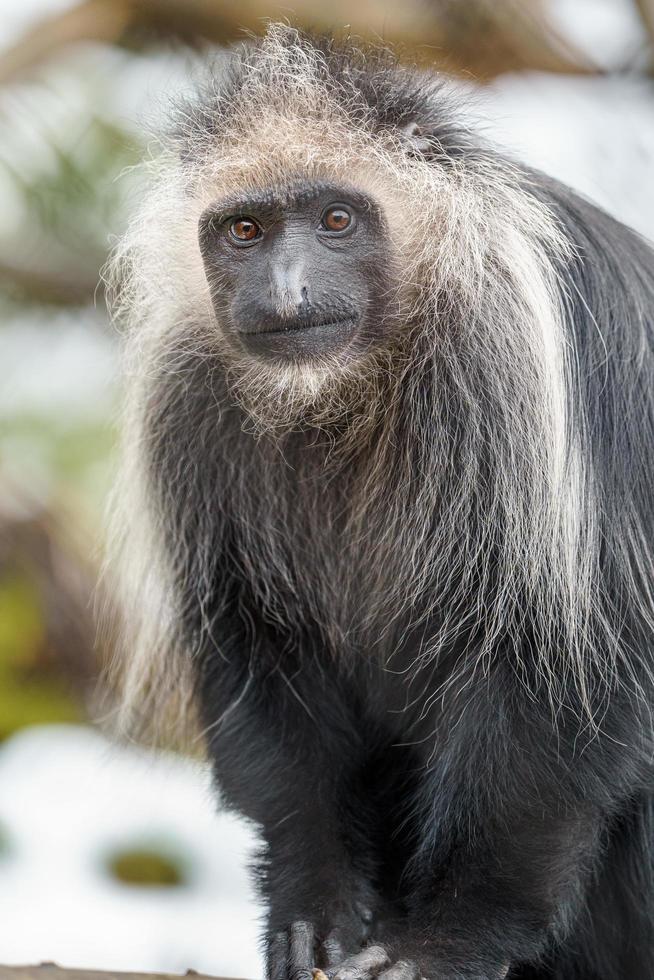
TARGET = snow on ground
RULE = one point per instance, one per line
(68, 799)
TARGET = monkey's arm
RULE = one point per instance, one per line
(497, 897)
(514, 817)
(281, 755)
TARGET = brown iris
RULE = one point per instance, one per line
(336, 219)
(244, 229)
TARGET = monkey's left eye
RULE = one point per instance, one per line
(244, 230)
(336, 218)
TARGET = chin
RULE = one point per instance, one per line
(292, 386)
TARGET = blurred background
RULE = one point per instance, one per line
(111, 856)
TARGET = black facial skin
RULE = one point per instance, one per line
(297, 274)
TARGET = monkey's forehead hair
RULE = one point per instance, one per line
(289, 107)
(290, 74)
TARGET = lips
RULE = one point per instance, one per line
(277, 327)
(299, 338)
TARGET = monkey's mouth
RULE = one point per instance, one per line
(299, 337)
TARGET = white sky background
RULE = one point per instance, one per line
(64, 794)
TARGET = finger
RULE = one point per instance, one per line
(278, 957)
(301, 957)
(333, 950)
(363, 965)
(402, 970)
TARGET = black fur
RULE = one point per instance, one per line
(465, 826)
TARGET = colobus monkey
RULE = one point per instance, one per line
(385, 522)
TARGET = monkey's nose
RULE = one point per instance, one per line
(289, 290)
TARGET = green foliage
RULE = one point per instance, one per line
(60, 159)
(74, 452)
(148, 867)
(28, 695)
(76, 198)
(61, 172)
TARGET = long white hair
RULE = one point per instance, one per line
(480, 321)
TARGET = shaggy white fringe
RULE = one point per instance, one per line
(465, 231)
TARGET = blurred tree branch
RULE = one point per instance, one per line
(48, 288)
(646, 11)
(55, 258)
(98, 20)
(478, 37)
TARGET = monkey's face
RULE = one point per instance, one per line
(299, 272)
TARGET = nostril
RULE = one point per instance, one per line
(305, 296)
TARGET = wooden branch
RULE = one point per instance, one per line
(49, 971)
(90, 20)
(478, 37)
(58, 288)
(646, 11)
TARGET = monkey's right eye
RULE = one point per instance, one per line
(244, 230)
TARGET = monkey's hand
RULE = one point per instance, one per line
(294, 953)
(297, 953)
(375, 962)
